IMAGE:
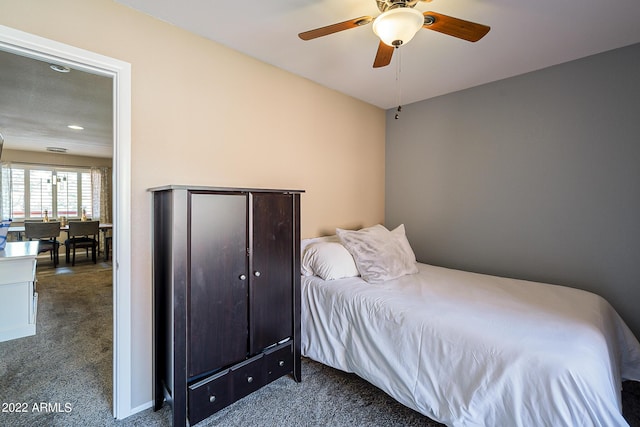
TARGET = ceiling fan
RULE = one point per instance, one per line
(398, 23)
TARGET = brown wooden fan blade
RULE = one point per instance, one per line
(383, 57)
(455, 27)
(330, 29)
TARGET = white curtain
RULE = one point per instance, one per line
(101, 196)
(101, 193)
(5, 191)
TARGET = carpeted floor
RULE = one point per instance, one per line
(67, 367)
(69, 359)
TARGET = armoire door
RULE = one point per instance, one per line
(271, 265)
(218, 293)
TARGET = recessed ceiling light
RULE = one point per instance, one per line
(59, 68)
(75, 127)
(57, 149)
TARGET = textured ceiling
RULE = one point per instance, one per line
(37, 104)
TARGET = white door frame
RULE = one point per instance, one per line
(36, 47)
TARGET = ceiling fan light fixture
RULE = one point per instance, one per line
(397, 26)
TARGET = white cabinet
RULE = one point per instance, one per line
(18, 296)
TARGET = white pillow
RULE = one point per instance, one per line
(401, 237)
(307, 270)
(328, 260)
(306, 242)
(379, 254)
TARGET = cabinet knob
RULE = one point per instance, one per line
(281, 363)
(256, 273)
(212, 399)
(243, 277)
(249, 379)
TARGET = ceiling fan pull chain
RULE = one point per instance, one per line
(398, 85)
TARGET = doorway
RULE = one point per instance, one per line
(36, 47)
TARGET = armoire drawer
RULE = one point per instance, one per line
(209, 396)
(278, 361)
(248, 376)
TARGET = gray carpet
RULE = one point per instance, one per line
(69, 362)
(69, 359)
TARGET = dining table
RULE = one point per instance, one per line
(18, 230)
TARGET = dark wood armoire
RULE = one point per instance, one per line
(226, 295)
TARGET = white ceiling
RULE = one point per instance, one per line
(525, 35)
(37, 104)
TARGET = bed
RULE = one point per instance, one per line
(462, 348)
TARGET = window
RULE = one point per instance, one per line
(30, 190)
(40, 193)
(67, 193)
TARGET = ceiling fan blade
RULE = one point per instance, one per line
(383, 56)
(455, 27)
(330, 29)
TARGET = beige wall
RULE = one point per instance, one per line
(203, 114)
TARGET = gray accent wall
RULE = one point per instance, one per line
(534, 177)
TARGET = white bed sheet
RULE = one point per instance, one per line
(467, 349)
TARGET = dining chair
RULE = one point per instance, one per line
(46, 233)
(108, 243)
(82, 234)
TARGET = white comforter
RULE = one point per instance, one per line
(474, 350)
